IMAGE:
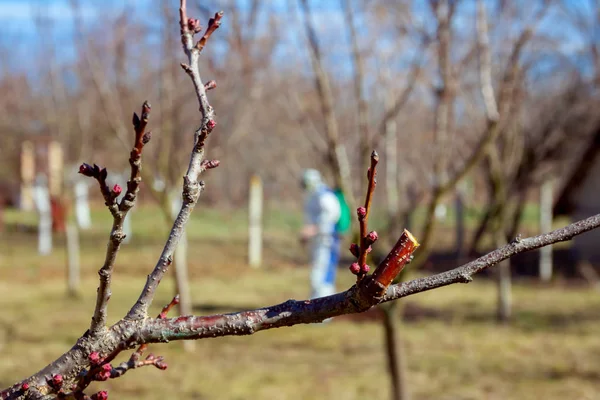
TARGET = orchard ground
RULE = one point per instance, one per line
(455, 349)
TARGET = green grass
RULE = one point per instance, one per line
(454, 348)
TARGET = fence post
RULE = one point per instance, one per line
(26, 200)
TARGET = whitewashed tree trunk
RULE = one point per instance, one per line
(181, 271)
(504, 281)
(255, 209)
(73, 274)
(546, 226)
(42, 202)
(82, 205)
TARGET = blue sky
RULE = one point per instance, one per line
(17, 35)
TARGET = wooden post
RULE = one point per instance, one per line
(546, 201)
(42, 202)
(255, 207)
(26, 202)
(72, 259)
(55, 169)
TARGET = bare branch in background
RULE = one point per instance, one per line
(493, 126)
(362, 114)
(336, 154)
(485, 64)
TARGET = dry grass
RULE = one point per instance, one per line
(455, 350)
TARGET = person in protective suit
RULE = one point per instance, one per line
(321, 214)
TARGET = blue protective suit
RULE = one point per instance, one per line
(322, 209)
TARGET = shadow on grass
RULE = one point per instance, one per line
(522, 319)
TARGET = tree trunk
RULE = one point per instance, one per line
(391, 172)
(504, 281)
(72, 239)
(460, 222)
(396, 357)
(516, 217)
(546, 226)
(182, 285)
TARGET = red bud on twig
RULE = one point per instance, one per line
(355, 268)
(146, 107)
(361, 212)
(94, 358)
(57, 381)
(210, 85)
(161, 365)
(354, 249)
(146, 138)
(102, 395)
(194, 25)
(210, 164)
(371, 237)
(86, 169)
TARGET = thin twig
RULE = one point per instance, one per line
(363, 219)
(119, 212)
(135, 158)
(191, 186)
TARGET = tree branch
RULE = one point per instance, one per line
(358, 298)
(335, 150)
(191, 186)
(485, 64)
(119, 212)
